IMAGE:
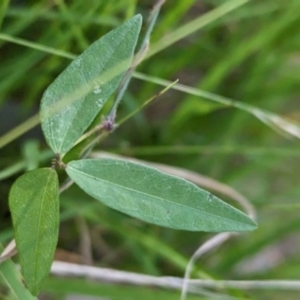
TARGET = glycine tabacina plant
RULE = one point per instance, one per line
(68, 107)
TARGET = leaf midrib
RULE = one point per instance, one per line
(38, 235)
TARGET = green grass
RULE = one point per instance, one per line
(247, 55)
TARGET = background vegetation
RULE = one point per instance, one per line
(249, 54)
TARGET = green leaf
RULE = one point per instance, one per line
(155, 197)
(13, 279)
(72, 101)
(34, 205)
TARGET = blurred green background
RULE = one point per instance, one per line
(250, 54)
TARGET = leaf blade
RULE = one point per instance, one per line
(155, 197)
(34, 205)
(13, 279)
(75, 97)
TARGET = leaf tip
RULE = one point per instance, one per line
(138, 18)
(251, 225)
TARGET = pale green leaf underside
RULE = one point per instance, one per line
(72, 101)
(156, 197)
(34, 206)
